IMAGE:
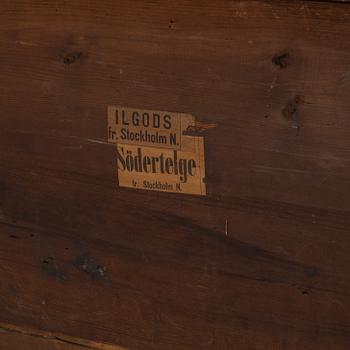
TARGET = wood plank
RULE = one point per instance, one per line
(11, 341)
(13, 338)
(260, 262)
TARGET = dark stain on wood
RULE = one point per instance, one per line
(72, 57)
(52, 269)
(282, 60)
(312, 271)
(91, 267)
(171, 24)
(292, 110)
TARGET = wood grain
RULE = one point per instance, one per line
(261, 262)
(13, 337)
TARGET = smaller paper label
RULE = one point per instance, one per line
(161, 169)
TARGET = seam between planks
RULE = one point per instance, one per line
(86, 344)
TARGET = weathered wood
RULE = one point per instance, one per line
(12, 337)
(10, 340)
(262, 261)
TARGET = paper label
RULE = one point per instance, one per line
(155, 151)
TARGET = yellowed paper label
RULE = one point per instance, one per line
(155, 151)
(149, 128)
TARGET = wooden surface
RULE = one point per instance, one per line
(262, 262)
(28, 342)
(13, 337)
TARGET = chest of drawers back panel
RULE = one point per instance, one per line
(261, 261)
